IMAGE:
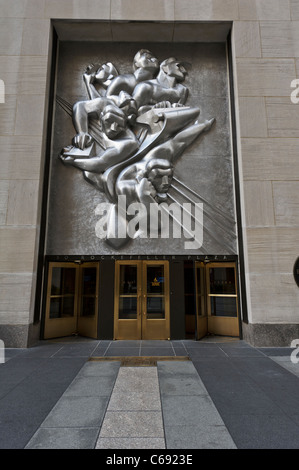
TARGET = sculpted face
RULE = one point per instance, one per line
(161, 179)
(175, 69)
(113, 121)
(146, 60)
(106, 71)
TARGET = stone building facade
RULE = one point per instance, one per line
(261, 40)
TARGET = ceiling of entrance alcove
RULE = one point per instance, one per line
(131, 31)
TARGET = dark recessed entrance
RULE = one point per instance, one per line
(211, 299)
(141, 299)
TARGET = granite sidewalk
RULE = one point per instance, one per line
(79, 393)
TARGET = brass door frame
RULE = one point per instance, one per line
(156, 328)
(208, 323)
(201, 319)
(224, 326)
(59, 327)
(125, 328)
(141, 327)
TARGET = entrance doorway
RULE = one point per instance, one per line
(72, 300)
(141, 300)
(216, 299)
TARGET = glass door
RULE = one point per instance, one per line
(216, 299)
(141, 300)
(155, 305)
(62, 300)
(127, 304)
(72, 300)
(222, 299)
(201, 310)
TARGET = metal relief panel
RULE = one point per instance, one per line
(141, 160)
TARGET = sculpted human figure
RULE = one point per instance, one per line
(139, 168)
(99, 74)
(119, 141)
(165, 88)
(148, 182)
(145, 67)
(130, 180)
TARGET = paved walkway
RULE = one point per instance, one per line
(80, 393)
(134, 416)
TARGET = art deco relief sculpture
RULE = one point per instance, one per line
(130, 132)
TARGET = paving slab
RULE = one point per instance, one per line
(64, 438)
(232, 351)
(134, 416)
(126, 344)
(190, 410)
(256, 398)
(126, 386)
(285, 361)
(156, 351)
(191, 420)
(263, 431)
(204, 352)
(186, 385)
(198, 437)
(100, 369)
(39, 385)
(76, 350)
(130, 443)
(85, 386)
(174, 368)
(282, 351)
(138, 372)
(132, 424)
(156, 343)
(120, 351)
(77, 412)
(42, 351)
(135, 401)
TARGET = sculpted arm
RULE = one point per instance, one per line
(143, 94)
(91, 89)
(81, 112)
(121, 83)
(83, 109)
(122, 149)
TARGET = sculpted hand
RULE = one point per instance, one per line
(68, 160)
(90, 72)
(145, 189)
(162, 104)
(82, 140)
